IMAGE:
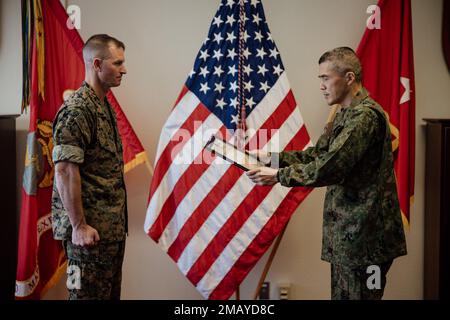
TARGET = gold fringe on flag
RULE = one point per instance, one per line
(138, 159)
(394, 131)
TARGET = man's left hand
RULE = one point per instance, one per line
(263, 176)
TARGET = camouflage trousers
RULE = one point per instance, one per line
(358, 283)
(94, 273)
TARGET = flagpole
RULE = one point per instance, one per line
(269, 262)
(329, 122)
(334, 109)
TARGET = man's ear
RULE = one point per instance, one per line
(97, 64)
(350, 77)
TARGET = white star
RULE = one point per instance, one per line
(218, 71)
(264, 87)
(277, 70)
(233, 86)
(230, 3)
(220, 103)
(274, 53)
(231, 37)
(191, 73)
(204, 54)
(255, 2)
(246, 53)
(233, 102)
(245, 35)
(235, 118)
(232, 70)
(204, 71)
(205, 41)
(247, 70)
(219, 87)
(250, 103)
(217, 54)
(261, 53)
(218, 37)
(258, 36)
(262, 69)
(217, 21)
(256, 18)
(406, 95)
(248, 86)
(204, 87)
(230, 20)
(231, 53)
(269, 36)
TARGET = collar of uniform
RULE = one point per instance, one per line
(361, 95)
(99, 105)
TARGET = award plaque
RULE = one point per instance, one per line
(229, 152)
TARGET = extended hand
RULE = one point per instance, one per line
(263, 176)
(85, 235)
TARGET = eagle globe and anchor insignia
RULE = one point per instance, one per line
(39, 150)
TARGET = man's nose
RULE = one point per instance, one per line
(322, 86)
(124, 70)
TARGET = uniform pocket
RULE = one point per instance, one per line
(97, 254)
(106, 140)
(336, 130)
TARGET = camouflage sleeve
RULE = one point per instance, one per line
(332, 166)
(288, 158)
(71, 135)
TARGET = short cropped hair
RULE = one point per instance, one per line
(97, 45)
(343, 60)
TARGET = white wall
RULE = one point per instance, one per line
(162, 39)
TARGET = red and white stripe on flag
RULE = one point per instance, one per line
(204, 212)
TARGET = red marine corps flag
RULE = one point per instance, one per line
(386, 53)
(53, 67)
(204, 212)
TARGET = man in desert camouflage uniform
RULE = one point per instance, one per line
(89, 208)
(362, 225)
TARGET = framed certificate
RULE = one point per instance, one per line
(229, 152)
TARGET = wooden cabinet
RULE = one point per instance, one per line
(8, 211)
(437, 210)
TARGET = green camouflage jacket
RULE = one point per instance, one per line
(85, 132)
(362, 222)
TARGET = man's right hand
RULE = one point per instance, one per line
(85, 235)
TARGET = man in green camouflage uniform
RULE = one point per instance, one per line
(362, 225)
(89, 208)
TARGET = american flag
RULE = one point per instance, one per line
(204, 212)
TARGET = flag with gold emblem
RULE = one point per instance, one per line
(386, 54)
(52, 68)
